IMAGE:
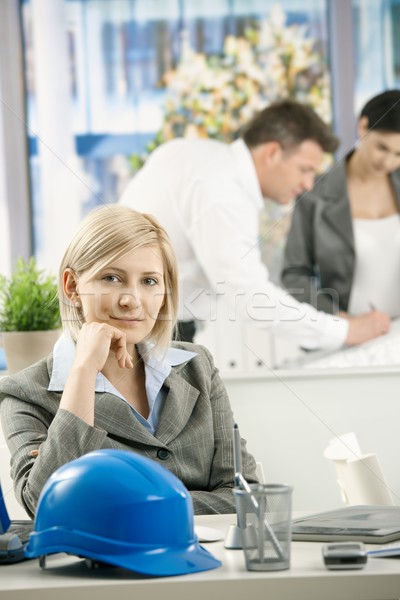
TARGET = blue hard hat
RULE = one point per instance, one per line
(120, 508)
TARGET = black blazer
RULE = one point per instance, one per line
(319, 252)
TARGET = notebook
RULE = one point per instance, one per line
(14, 536)
(370, 524)
(385, 551)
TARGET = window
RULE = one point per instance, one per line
(94, 70)
(376, 46)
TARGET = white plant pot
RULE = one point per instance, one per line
(23, 348)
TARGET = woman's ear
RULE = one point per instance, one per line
(363, 126)
(70, 285)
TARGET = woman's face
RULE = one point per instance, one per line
(127, 294)
(379, 150)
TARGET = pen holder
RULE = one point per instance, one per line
(264, 513)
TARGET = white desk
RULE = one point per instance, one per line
(307, 579)
(243, 349)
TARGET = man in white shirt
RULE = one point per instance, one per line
(208, 196)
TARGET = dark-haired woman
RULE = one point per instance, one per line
(343, 249)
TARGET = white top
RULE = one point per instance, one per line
(207, 196)
(376, 280)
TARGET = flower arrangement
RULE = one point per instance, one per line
(213, 96)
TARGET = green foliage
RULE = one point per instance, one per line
(28, 300)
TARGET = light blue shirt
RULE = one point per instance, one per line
(157, 370)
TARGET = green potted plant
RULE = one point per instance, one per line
(29, 314)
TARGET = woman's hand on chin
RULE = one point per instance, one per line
(94, 343)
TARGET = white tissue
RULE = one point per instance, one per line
(359, 476)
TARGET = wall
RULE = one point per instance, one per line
(289, 419)
(15, 510)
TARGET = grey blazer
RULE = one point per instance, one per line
(319, 259)
(193, 439)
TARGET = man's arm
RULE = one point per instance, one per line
(366, 327)
(224, 233)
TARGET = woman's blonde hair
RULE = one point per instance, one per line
(106, 234)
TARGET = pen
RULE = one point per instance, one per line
(241, 482)
(237, 467)
(274, 540)
(237, 454)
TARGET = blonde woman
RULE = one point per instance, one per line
(114, 379)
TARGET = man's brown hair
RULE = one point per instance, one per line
(289, 123)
